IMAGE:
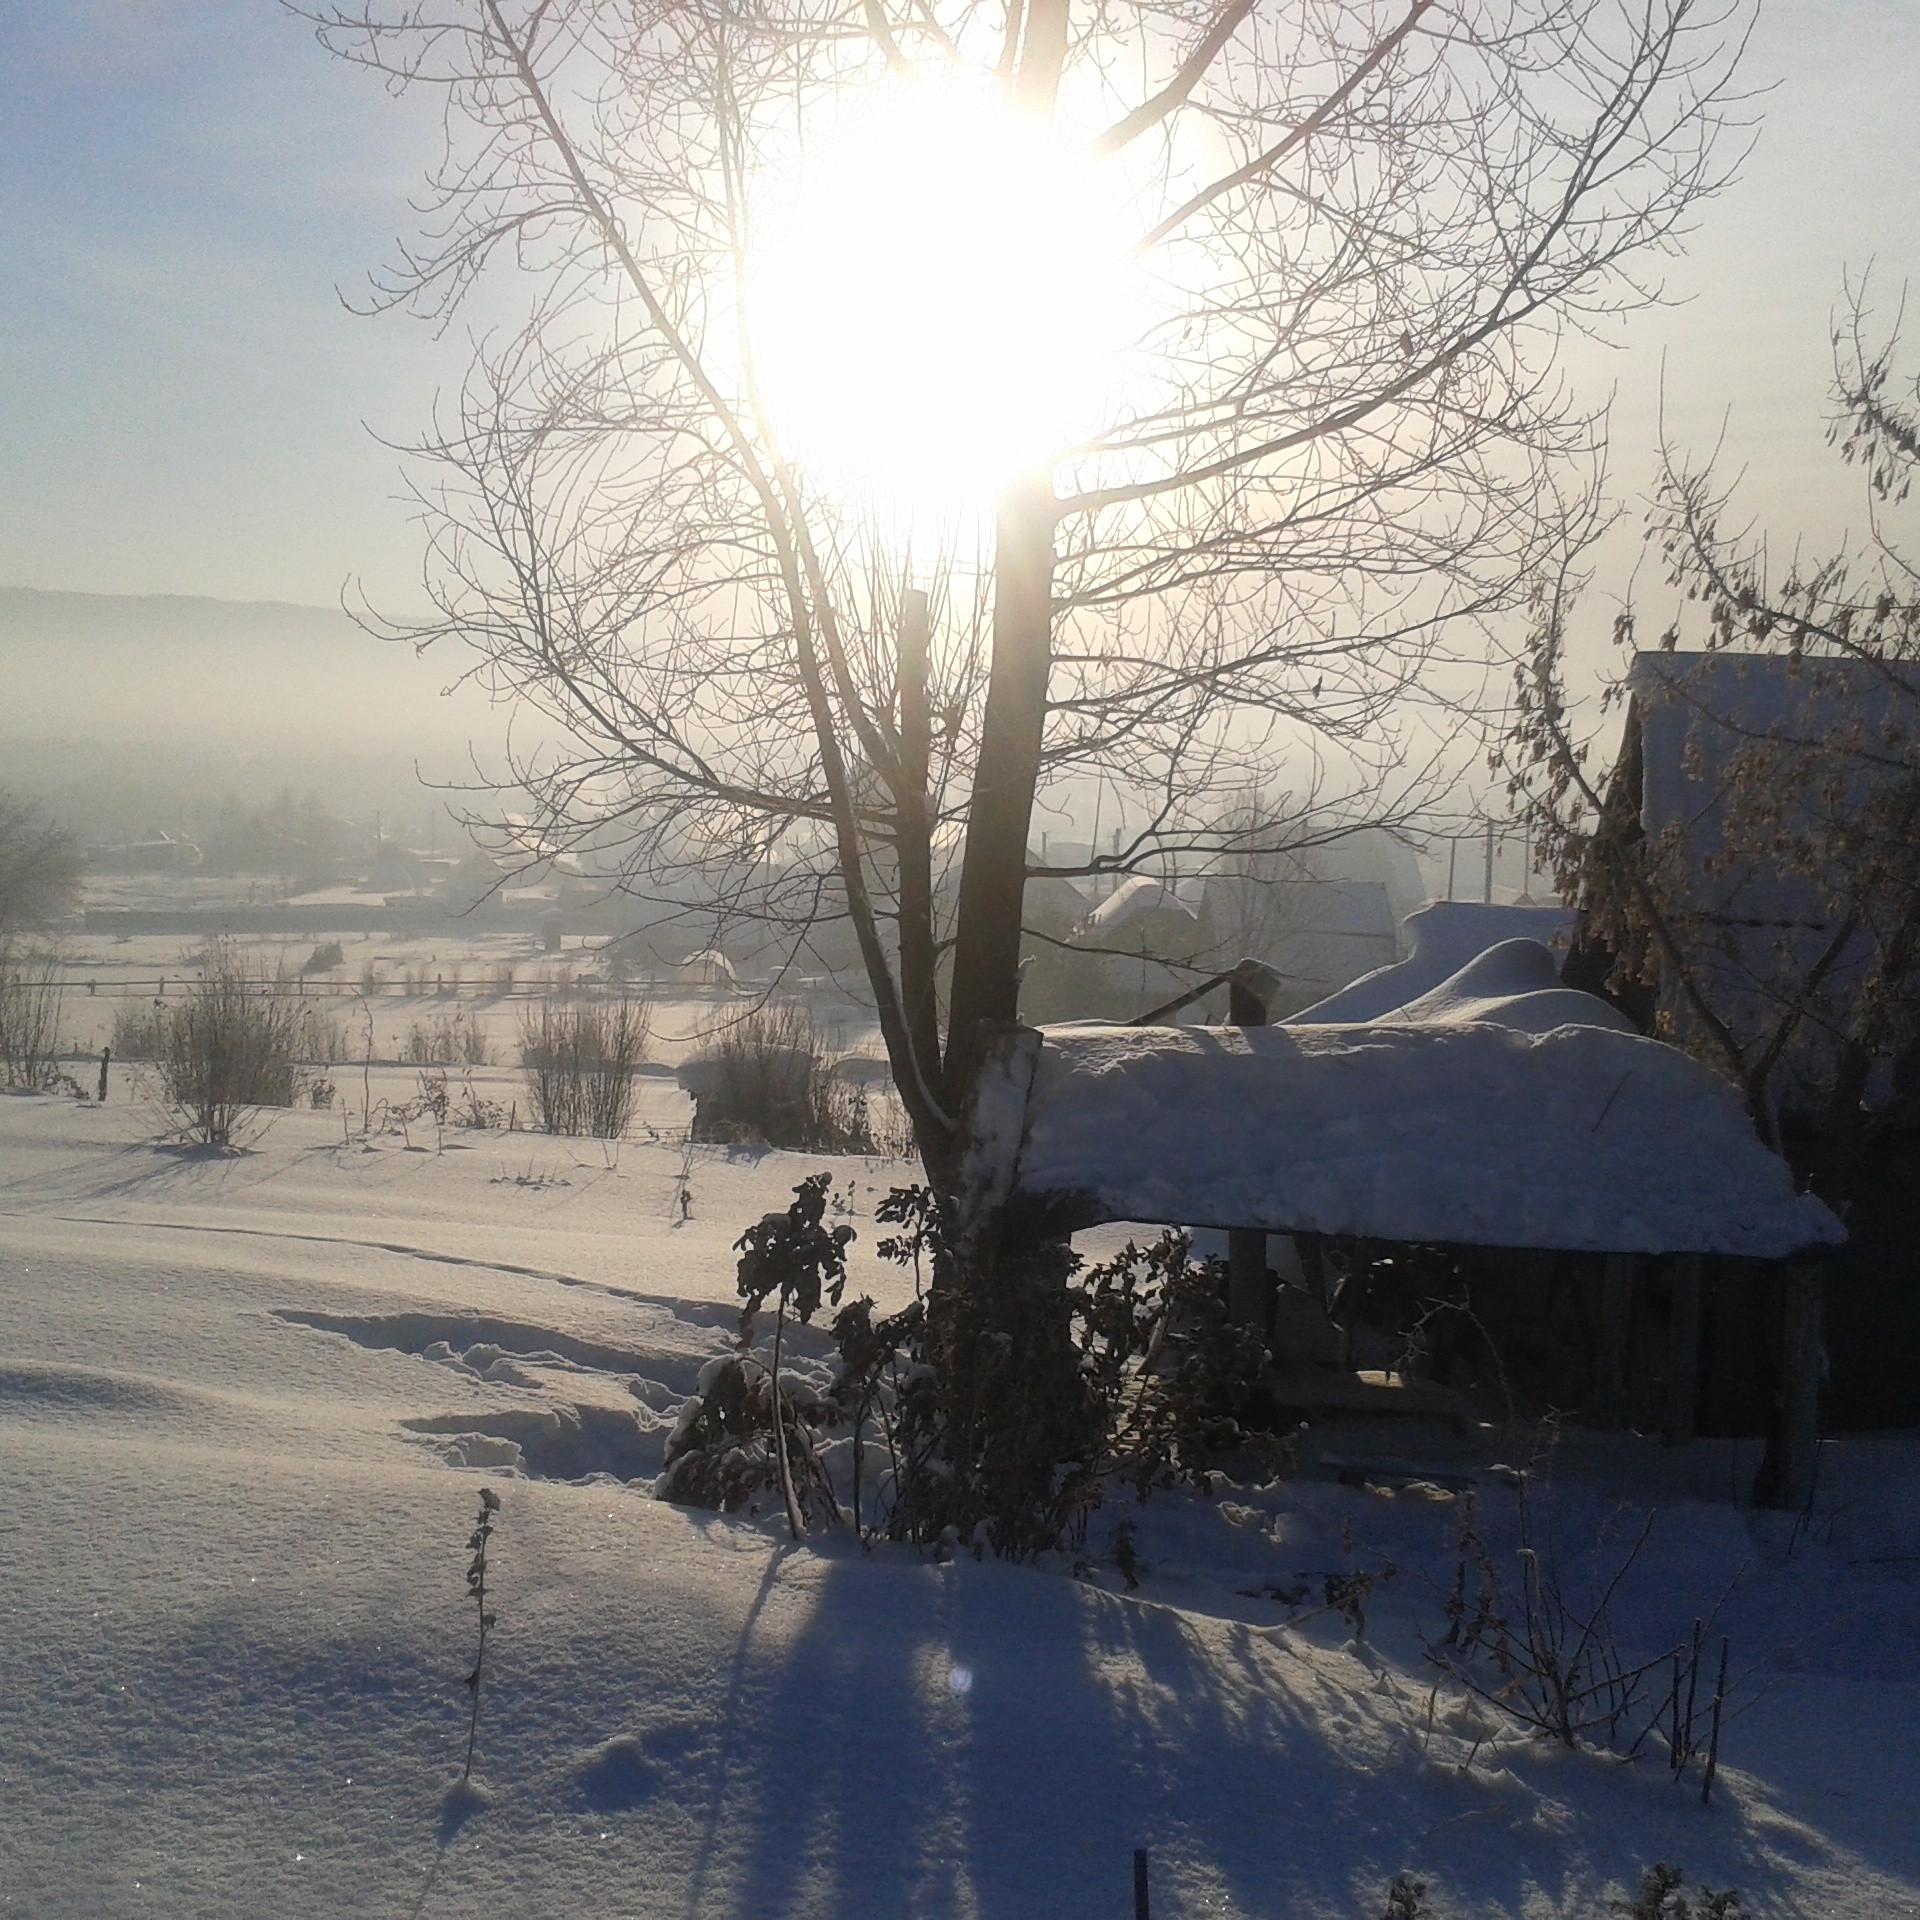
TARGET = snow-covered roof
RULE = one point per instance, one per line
(1501, 1110)
(1134, 900)
(1446, 935)
(708, 968)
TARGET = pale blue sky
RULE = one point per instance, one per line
(185, 183)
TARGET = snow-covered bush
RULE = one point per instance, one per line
(580, 1059)
(746, 1427)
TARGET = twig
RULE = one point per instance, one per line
(1713, 1745)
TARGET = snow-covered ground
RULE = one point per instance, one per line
(246, 1406)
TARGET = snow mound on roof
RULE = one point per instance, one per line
(1517, 985)
(1475, 1131)
(1446, 935)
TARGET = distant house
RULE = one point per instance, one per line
(152, 852)
(707, 971)
(1151, 937)
(1324, 933)
(396, 869)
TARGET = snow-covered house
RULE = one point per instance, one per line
(709, 971)
(1736, 773)
(1733, 770)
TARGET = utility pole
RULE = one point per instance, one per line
(1486, 892)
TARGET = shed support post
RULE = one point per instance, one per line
(1683, 1350)
(1616, 1322)
(1246, 1246)
(1801, 1356)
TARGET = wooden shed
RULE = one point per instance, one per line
(1500, 1111)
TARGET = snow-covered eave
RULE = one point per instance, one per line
(1579, 1138)
(1043, 1215)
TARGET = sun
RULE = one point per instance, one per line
(937, 293)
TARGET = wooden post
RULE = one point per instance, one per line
(106, 1054)
(1246, 1246)
(1140, 1909)
(1801, 1357)
(1683, 1349)
(1616, 1322)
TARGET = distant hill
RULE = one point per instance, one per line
(123, 710)
(29, 614)
(219, 673)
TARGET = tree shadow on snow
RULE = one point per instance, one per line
(979, 1737)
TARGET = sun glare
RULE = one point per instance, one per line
(936, 297)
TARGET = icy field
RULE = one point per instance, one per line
(246, 1406)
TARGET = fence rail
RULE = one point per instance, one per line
(177, 985)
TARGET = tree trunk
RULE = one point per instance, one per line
(993, 873)
(919, 995)
(1797, 1436)
(1248, 1300)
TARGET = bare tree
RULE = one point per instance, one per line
(1359, 230)
(40, 865)
(1772, 923)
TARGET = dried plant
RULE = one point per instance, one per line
(477, 1593)
(1543, 1648)
(770, 1078)
(31, 996)
(580, 1060)
(234, 1046)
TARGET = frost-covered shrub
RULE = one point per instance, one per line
(746, 1426)
(722, 1452)
(1044, 1381)
(1661, 1897)
(138, 1031)
(1539, 1642)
